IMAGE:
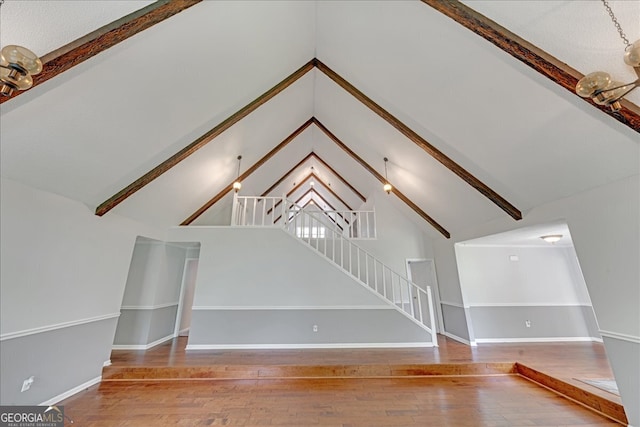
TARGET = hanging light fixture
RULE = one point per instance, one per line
(17, 65)
(387, 187)
(237, 185)
(599, 86)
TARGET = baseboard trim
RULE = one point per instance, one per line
(26, 332)
(621, 337)
(143, 346)
(305, 346)
(526, 304)
(456, 338)
(148, 307)
(301, 307)
(71, 392)
(540, 339)
(106, 363)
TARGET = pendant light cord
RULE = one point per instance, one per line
(617, 24)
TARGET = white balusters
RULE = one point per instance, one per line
(315, 227)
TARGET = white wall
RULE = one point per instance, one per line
(605, 231)
(62, 277)
(155, 273)
(265, 273)
(541, 276)
(261, 288)
(398, 238)
(60, 262)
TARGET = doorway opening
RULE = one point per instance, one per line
(422, 272)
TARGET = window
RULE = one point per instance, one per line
(316, 232)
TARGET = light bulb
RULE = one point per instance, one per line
(12, 54)
(632, 55)
(591, 83)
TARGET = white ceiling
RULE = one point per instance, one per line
(577, 32)
(96, 128)
(46, 25)
(527, 236)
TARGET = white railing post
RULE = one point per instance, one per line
(375, 226)
(284, 215)
(419, 291)
(234, 208)
(432, 318)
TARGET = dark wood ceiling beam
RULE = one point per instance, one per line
(248, 172)
(382, 179)
(326, 187)
(78, 51)
(286, 175)
(322, 199)
(309, 202)
(534, 57)
(303, 181)
(295, 203)
(129, 190)
(325, 164)
(344, 181)
(422, 143)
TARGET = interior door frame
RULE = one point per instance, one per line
(435, 289)
(176, 329)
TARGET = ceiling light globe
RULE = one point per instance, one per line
(551, 238)
(12, 54)
(237, 186)
(591, 83)
(387, 188)
(632, 55)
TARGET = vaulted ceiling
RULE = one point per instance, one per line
(93, 130)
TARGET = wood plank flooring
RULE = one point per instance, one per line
(488, 400)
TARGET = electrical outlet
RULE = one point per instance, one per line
(315, 328)
(26, 385)
(527, 323)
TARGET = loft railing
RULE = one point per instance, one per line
(354, 224)
(324, 234)
(257, 211)
(270, 211)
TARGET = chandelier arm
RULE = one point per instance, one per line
(634, 85)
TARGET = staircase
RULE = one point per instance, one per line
(332, 236)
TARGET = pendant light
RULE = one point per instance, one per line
(237, 185)
(387, 187)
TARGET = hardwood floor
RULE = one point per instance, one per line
(479, 400)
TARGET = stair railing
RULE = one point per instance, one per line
(312, 228)
(327, 236)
